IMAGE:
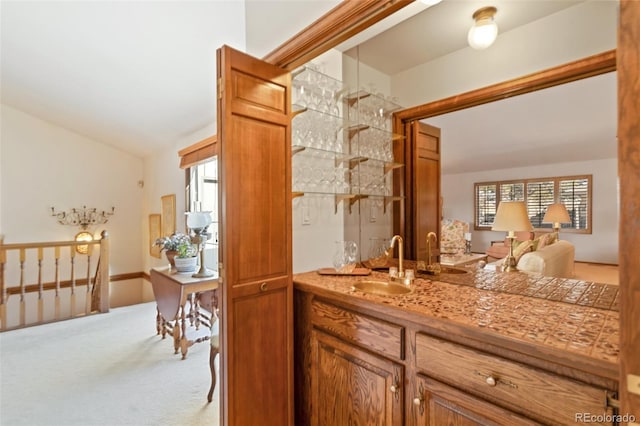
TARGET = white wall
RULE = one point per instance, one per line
(43, 166)
(571, 34)
(264, 35)
(163, 176)
(46, 166)
(600, 246)
(316, 224)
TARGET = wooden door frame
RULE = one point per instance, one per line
(351, 17)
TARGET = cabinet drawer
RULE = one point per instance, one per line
(538, 394)
(372, 333)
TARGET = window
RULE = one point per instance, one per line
(572, 191)
(202, 190)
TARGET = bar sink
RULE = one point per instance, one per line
(381, 288)
(448, 270)
(441, 270)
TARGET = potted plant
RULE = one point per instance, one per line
(172, 244)
(186, 260)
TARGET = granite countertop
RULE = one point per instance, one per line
(563, 314)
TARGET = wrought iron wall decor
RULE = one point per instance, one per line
(82, 217)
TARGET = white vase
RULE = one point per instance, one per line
(186, 264)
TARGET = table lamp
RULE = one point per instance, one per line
(511, 217)
(198, 223)
(556, 214)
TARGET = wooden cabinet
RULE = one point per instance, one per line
(357, 365)
(256, 280)
(353, 386)
(436, 404)
(541, 395)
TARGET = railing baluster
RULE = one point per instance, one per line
(104, 273)
(19, 279)
(3, 289)
(87, 303)
(73, 281)
(57, 298)
(23, 306)
(40, 299)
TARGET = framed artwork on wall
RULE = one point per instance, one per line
(168, 214)
(155, 221)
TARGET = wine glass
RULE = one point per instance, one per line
(378, 252)
(344, 258)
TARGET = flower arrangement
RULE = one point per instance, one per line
(177, 242)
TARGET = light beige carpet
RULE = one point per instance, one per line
(104, 370)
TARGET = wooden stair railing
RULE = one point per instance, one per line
(93, 290)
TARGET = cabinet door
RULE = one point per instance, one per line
(353, 387)
(436, 404)
(255, 239)
(422, 210)
(426, 186)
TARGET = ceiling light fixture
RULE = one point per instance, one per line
(484, 30)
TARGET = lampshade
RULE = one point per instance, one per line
(198, 220)
(556, 213)
(512, 216)
(484, 31)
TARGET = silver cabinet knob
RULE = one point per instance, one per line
(393, 388)
(491, 381)
(417, 401)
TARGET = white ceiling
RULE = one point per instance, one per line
(140, 75)
(137, 75)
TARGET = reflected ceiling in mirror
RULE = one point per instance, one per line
(571, 122)
(439, 30)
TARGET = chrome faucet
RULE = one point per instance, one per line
(401, 278)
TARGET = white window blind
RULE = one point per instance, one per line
(575, 195)
(572, 191)
(539, 196)
(486, 204)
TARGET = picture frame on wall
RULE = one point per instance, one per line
(155, 229)
(168, 214)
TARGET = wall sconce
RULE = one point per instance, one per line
(556, 214)
(484, 31)
(511, 216)
(82, 217)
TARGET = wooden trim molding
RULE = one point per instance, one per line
(199, 152)
(34, 288)
(587, 67)
(629, 177)
(340, 23)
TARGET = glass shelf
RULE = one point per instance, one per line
(372, 101)
(328, 138)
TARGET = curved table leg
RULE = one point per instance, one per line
(212, 358)
(176, 335)
(159, 324)
(184, 344)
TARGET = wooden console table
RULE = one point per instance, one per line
(172, 291)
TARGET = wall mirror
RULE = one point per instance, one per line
(396, 64)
